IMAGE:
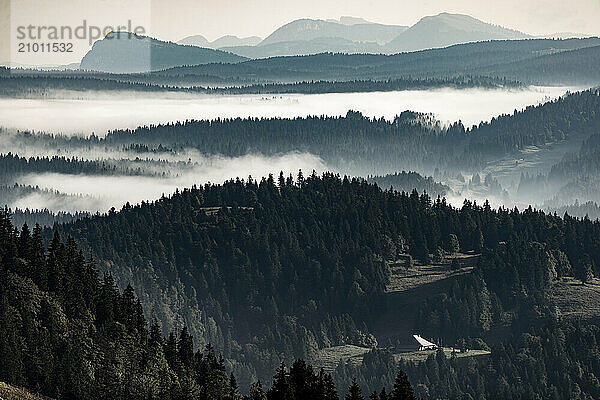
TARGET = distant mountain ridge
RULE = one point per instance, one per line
(349, 35)
(356, 35)
(446, 29)
(223, 41)
(310, 29)
(123, 52)
(304, 47)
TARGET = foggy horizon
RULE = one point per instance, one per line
(263, 17)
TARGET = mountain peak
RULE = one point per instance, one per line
(195, 40)
(132, 53)
(347, 28)
(446, 29)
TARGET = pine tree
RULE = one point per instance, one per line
(421, 250)
(354, 392)
(55, 262)
(452, 244)
(583, 269)
(402, 388)
(38, 259)
(233, 386)
(171, 352)
(127, 308)
(25, 249)
(281, 388)
(326, 387)
(155, 339)
(478, 240)
(185, 349)
(383, 394)
(301, 379)
(256, 392)
(108, 302)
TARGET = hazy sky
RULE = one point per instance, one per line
(260, 17)
(175, 19)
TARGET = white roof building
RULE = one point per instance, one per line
(424, 344)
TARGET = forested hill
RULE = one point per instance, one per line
(288, 266)
(573, 180)
(356, 144)
(539, 61)
(573, 115)
(67, 334)
(535, 61)
(50, 86)
(409, 181)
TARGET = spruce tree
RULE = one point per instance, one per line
(281, 388)
(354, 392)
(256, 392)
(402, 388)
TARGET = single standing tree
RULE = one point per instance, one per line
(256, 392)
(233, 386)
(453, 245)
(584, 271)
(402, 388)
(354, 393)
(281, 388)
(383, 394)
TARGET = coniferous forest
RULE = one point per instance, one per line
(302, 262)
(332, 209)
(70, 334)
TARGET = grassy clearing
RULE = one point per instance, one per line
(420, 356)
(576, 300)
(407, 288)
(403, 278)
(215, 210)
(8, 392)
(531, 159)
(329, 358)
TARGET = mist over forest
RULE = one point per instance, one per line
(384, 213)
(101, 171)
(97, 113)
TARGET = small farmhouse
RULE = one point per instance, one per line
(424, 344)
(414, 343)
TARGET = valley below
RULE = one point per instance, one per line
(86, 113)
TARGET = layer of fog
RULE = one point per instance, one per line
(100, 193)
(162, 172)
(100, 113)
(10, 142)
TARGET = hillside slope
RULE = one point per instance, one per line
(309, 29)
(121, 52)
(8, 392)
(448, 29)
(537, 61)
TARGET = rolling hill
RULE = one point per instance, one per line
(122, 52)
(309, 29)
(539, 61)
(448, 29)
(305, 47)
